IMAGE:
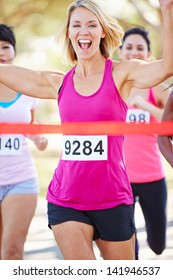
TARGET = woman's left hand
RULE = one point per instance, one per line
(41, 142)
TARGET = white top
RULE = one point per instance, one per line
(16, 161)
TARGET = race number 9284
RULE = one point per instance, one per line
(84, 148)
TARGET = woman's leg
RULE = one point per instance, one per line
(74, 240)
(135, 191)
(124, 250)
(17, 212)
(153, 200)
(116, 232)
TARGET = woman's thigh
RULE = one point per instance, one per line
(116, 240)
(123, 250)
(74, 240)
(17, 211)
(74, 230)
(18, 206)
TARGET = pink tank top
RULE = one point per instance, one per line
(98, 183)
(142, 154)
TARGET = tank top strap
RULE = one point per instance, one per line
(69, 74)
(151, 97)
(67, 81)
(108, 70)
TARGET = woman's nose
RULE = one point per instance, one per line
(135, 53)
(84, 30)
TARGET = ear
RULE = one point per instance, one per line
(103, 35)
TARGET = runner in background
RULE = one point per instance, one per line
(143, 158)
(165, 142)
(18, 177)
(89, 196)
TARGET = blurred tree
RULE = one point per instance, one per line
(35, 13)
(147, 13)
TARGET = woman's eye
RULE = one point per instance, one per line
(6, 47)
(140, 50)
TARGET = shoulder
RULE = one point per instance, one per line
(125, 68)
(124, 74)
(127, 64)
(121, 70)
(54, 78)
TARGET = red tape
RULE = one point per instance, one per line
(89, 128)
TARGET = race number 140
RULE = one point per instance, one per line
(10, 145)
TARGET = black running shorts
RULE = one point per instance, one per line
(114, 224)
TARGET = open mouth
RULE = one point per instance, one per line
(84, 44)
(2, 61)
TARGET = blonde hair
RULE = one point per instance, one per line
(113, 32)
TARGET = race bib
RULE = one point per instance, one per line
(137, 116)
(10, 145)
(83, 148)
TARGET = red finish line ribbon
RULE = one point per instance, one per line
(89, 128)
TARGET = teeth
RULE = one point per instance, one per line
(84, 41)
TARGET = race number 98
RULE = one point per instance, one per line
(84, 147)
(137, 116)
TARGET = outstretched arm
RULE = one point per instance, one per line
(40, 84)
(143, 74)
(165, 142)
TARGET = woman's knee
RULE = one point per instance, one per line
(12, 252)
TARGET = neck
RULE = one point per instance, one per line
(90, 67)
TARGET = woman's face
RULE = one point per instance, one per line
(85, 33)
(134, 47)
(7, 52)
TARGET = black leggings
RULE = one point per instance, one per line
(152, 198)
